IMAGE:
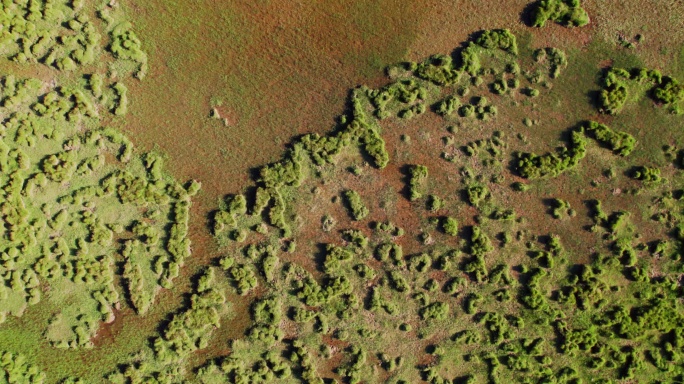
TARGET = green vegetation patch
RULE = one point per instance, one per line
(459, 288)
(87, 222)
(530, 165)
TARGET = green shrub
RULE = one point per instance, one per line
(334, 258)
(555, 58)
(437, 310)
(356, 207)
(126, 45)
(398, 282)
(531, 92)
(466, 110)
(621, 143)
(287, 171)
(243, 277)
(566, 12)
(95, 82)
(520, 187)
(530, 165)
(647, 174)
(477, 193)
(355, 237)
(447, 106)
(450, 226)
(479, 242)
(559, 208)
(499, 87)
(438, 69)
(15, 369)
(420, 263)
(498, 39)
(328, 223)
(471, 303)
(612, 99)
(122, 99)
(668, 91)
(434, 203)
(453, 285)
(417, 177)
(390, 252)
